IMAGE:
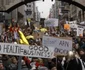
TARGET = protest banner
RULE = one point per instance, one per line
(25, 50)
(51, 22)
(61, 45)
(80, 31)
(73, 24)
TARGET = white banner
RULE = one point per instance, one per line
(73, 24)
(61, 45)
(51, 22)
(25, 50)
(80, 31)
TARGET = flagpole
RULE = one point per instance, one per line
(19, 63)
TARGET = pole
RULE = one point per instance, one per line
(19, 62)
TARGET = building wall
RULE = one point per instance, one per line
(37, 14)
(74, 12)
(30, 8)
(5, 4)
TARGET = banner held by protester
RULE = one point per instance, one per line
(60, 45)
(51, 22)
(26, 50)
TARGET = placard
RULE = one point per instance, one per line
(60, 45)
(51, 22)
(25, 50)
(80, 31)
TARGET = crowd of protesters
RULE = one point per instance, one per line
(73, 61)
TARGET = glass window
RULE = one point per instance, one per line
(29, 5)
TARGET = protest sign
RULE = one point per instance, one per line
(51, 22)
(80, 31)
(61, 45)
(66, 26)
(25, 50)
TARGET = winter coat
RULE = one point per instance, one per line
(74, 64)
(12, 67)
(24, 67)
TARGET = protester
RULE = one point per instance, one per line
(71, 62)
(13, 65)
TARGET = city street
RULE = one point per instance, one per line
(42, 34)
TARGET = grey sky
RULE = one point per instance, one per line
(44, 7)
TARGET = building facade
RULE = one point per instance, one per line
(75, 13)
(37, 15)
(55, 11)
(21, 13)
(64, 11)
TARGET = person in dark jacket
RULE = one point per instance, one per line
(13, 65)
(73, 63)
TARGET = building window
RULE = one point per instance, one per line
(28, 12)
(29, 5)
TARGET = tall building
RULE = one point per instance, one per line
(19, 14)
(75, 13)
(37, 14)
(52, 12)
(55, 11)
(29, 10)
(6, 4)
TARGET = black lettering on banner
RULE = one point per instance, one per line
(41, 48)
(39, 53)
(31, 53)
(35, 47)
(11, 49)
(60, 51)
(56, 50)
(28, 52)
(16, 49)
(21, 50)
(48, 54)
(46, 49)
(25, 52)
(6, 48)
(31, 47)
(64, 43)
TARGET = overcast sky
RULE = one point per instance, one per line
(44, 7)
